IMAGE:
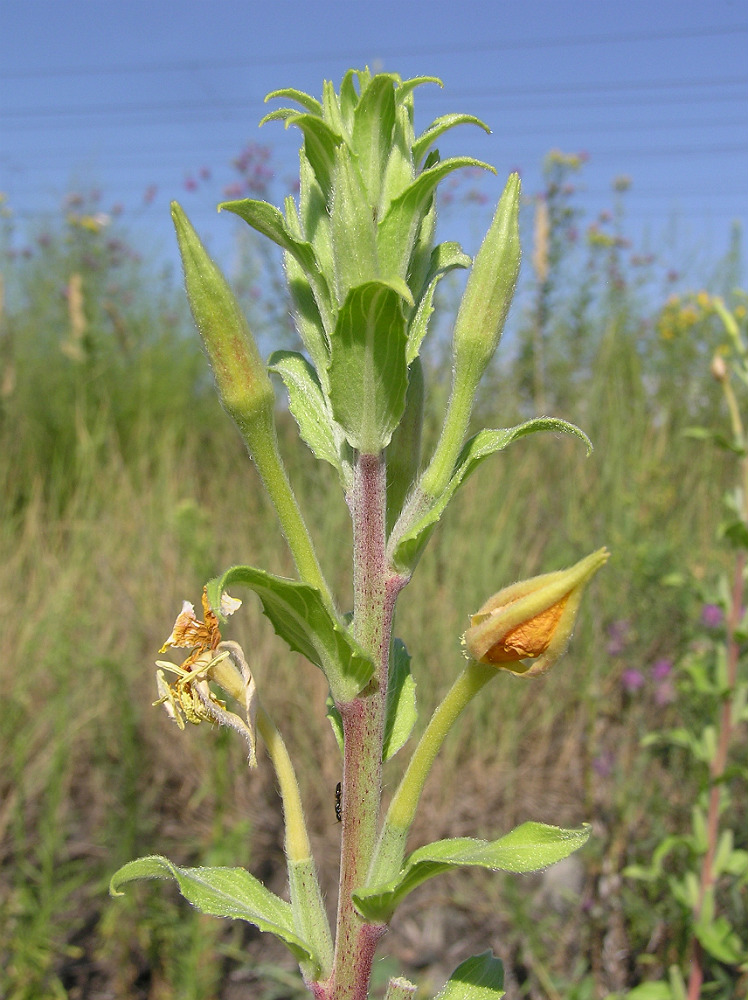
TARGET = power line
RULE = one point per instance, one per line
(195, 110)
(304, 57)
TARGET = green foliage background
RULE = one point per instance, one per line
(123, 487)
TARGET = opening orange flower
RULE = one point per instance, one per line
(531, 620)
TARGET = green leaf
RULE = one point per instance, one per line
(404, 449)
(650, 991)
(336, 721)
(399, 228)
(445, 258)
(305, 100)
(222, 892)
(374, 121)
(312, 413)
(320, 145)
(349, 98)
(399, 172)
(401, 702)
(352, 226)
(478, 978)
(404, 92)
(269, 221)
(717, 438)
(718, 938)
(406, 546)
(313, 218)
(438, 127)
(299, 616)
(368, 374)
(527, 848)
(401, 705)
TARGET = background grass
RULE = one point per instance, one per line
(124, 487)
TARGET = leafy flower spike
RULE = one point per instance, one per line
(531, 620)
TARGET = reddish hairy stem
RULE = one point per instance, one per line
(363, 732)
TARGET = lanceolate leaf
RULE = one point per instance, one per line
(399, 227)
(437, 128)
(269, 221)
(222, 892)
(528, 848)
(299, 616)
(305, 100)
(320, 142)
(368, 374)
(311, 411)
(445, 257)
(478, 978)
(352, 226)
(407, 547)
(374, 120)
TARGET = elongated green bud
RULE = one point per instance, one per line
(478, 328)
(241, 376)
(489, 290)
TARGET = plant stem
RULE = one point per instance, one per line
(391, 847)
(363, 731)
(270, 466)
(306, 897)
(297, 841)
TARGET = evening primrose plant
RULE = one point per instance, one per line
(362, 267)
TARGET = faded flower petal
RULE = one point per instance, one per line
(190, 633)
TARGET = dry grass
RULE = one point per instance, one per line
(125, 489)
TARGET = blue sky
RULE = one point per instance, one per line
(125, 96)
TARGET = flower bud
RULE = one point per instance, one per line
(489, 290)
(718, 368)
(531, 620)
(241, 376)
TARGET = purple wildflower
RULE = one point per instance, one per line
(711, 616)
(632, 680)
(662, 668)
(618, 632)
(603, 764)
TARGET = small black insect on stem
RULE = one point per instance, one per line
(338, 802)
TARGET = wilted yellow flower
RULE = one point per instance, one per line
(189, 697)
(531, 620)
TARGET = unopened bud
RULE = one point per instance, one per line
(241, 377)
(719, 368)
(489, 289)
(531, 620)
